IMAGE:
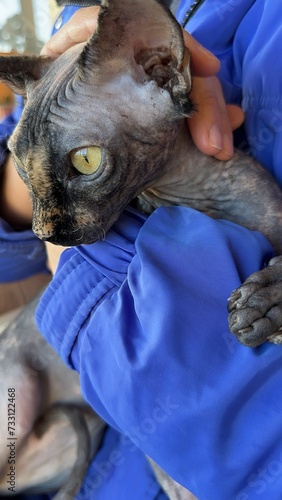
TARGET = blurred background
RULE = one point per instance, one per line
(25, 25)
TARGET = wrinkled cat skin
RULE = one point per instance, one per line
(69, 208)
(126, 91)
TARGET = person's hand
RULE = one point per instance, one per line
(211, 126)
(77, 30)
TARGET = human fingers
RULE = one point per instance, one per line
(210, 127)
(78, 29)
(236, 116)
(203, 62)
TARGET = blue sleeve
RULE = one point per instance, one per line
(142, 316)
(222, 19)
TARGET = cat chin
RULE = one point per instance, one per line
(69, 240)
(66, 231)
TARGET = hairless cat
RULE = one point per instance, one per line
(132, 81)
(106, 123)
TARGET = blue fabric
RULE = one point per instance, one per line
(146, 327)
(120, 471)
(21, 254)
(246, 36)
(64, 17)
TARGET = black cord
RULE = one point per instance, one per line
(192, 10)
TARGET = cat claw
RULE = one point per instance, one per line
(239, 298)
(245, 330)
(233, 300)
(255, 308)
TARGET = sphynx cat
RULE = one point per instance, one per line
(132, 80)
(105, 123)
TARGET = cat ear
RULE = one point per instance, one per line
(136, 34)
(18, 72)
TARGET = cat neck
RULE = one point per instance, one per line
(182, 158)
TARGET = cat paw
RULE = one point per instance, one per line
(255, 308)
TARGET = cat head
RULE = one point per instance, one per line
(100, 122)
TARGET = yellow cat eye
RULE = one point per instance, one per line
(86, 160)
(19, 163)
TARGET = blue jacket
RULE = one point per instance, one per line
(142, 317)
(145, 320)
(246, 36)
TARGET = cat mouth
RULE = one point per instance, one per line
(67, 238)
(71, 229)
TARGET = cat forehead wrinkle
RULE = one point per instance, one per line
(53, 86)
(62, 68)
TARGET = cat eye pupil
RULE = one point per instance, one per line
(86, 160)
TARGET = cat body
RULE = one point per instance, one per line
(106, 122)
(103, 124)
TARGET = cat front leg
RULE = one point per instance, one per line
(255, 308)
